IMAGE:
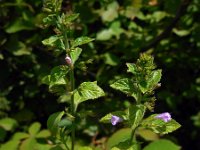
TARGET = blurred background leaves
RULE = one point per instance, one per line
(123, 29)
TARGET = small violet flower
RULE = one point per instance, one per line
(164, 116)
(115, 120)
(68, 60)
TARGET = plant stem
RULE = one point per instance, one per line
(133, 137)
(72, 81)
(72, 105)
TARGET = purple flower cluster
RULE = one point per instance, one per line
(164, 116)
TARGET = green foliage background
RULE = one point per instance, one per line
(169, 30)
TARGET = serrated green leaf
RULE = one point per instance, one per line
(118, 137)
(151, 81)
(136, 114)
(58, 74)
(75, 53)
(10, 145)
(131, 68)
(107, 118)
(57, 79)
(54, 41)
(20, 135)
(154, 78)
(51, 40)
(8, 124)
(87, 91)
(53, 120)
(43, 134)
(162, 145)
(81, 40)
(159, 126)
(126, 86)
(34, 128)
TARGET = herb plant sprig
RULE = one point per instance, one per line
(61, 79)
(141, 87)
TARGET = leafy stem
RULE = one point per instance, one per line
(72, 82)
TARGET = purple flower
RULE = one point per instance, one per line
(164, 116)
(68, 60)
(115, 120)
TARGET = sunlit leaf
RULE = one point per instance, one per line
(54, 41)
(43, 134)
(126, 86)
(81, 40)
(29, 143)
(87, 91)
(70, 18)
(181, 33)
(154, 78)
(34, 128)
(131, 68)
(104, 35)
(20, 135)
(10, 145)
(111, 12)
(8, 124)
(75, 53)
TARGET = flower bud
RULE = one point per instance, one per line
(68, 60)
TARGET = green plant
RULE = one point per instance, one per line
(141, 87)
(62, 79)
